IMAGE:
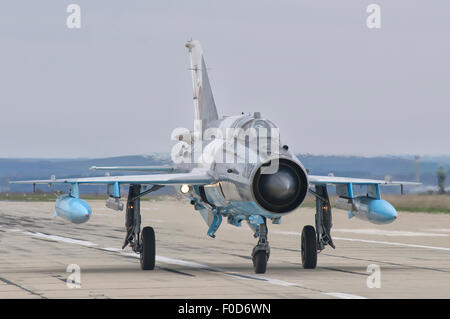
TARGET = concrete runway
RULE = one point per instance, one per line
(413, 254)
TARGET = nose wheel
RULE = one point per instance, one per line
(260, 262)
(309, 247)
(261, 252)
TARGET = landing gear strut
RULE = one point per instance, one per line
(261, 252)
(323, 217)
(133, 219)
(141, 243)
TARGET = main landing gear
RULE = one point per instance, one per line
(309, 247)
(142, 243)
(311, 241)
(148, 251)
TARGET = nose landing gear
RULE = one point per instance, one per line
(261, 252)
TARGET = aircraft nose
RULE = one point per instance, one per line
(281, 191)
(279, 188)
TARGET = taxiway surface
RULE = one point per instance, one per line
(413, 255)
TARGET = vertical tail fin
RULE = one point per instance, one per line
(205, 107)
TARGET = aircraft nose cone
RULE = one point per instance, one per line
(279, 188)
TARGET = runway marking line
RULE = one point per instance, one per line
(392, 243)
(372, 241)
(383, 232)
(343, 296)
(59, 238)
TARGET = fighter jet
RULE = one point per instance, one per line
(233, 168)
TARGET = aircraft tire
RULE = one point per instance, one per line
(148, 252)
(260, 262)
(309, 247)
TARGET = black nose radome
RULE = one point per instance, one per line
(280, 187)
(283, 190)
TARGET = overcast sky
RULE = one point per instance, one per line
(120, 84)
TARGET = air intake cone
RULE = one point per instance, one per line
(281, 191)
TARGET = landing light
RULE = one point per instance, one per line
(184, 188)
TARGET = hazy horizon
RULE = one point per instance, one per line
(167, 154)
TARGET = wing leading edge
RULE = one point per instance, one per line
(320, 180)
(191, 178)
(154, 169)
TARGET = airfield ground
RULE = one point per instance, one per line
(413, 255)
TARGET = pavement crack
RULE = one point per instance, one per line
(175, 271)
(9, 282)
(346, 271)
